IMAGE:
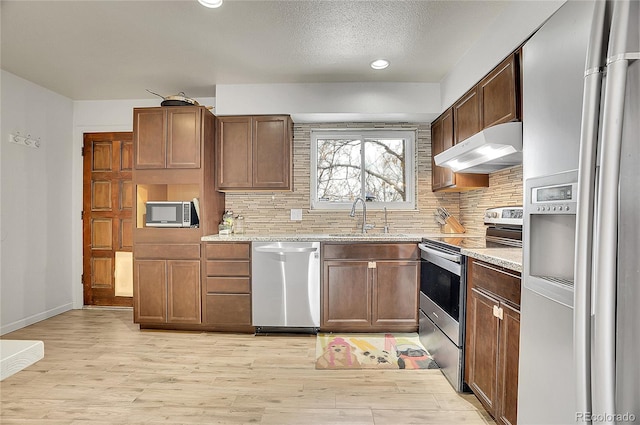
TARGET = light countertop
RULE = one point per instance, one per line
(323, 237)
(509, 258)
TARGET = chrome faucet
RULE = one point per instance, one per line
(365, 226)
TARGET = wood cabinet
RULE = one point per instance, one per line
(167, 286)
(466, 115)
(370, 287)
(499, 93)
(174, 161)
(493, 338)
(443, 179)
(227, 285)
(495, 99)
(167, 137)
(254, 153)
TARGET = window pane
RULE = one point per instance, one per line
(385, 170)
(339, 170)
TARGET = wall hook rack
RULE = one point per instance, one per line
(27, 140)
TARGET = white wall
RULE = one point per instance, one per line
(34, 189)
(518, 21)
(92, 117)
(333, 102)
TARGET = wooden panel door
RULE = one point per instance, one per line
(271, 152)
(498, 93)
(395, 294)
(507, 408)
(483, 355)
(183, 137)
(234, 153)
(466, 116)
(183, 291)
(107, 214)
(149, 128)
(346, 295)
(150, 291)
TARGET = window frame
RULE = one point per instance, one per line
(410, 167)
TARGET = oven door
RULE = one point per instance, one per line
(441, 284)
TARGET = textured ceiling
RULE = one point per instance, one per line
(116, 49)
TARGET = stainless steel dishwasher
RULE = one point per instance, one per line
(285, 288)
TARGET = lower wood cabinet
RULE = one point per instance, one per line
(167, 290)
(493, 338)
(370, 287)
(227, 285)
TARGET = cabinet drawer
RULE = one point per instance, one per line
(501, 282)
(229, 285)
(227, 251)
(167, 251)
(371, 251)
(228, 268)
(228, 309)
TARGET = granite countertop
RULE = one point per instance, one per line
(320, 237)
(509, 258)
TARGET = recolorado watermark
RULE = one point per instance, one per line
(605, 417)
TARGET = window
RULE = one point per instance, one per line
(378, 166)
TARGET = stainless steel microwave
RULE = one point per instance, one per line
(171, 214)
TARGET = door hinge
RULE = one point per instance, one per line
(83, 151)
(82, 215)
(498, 312)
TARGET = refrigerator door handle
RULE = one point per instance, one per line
(596, 55)
(606, 234)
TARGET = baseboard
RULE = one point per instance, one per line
(19, 324)
(16, 355)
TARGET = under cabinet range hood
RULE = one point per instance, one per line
(490, 150)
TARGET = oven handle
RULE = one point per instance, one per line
(442, 260)
(451, 257)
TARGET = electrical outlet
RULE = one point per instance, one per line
(296, 215)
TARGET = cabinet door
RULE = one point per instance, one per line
(395, 294)
(149, 131)
(498, 94)
(183, 288)
(183, 137)
(346, 295)
(466, 116)
(483, 327)
(234, 153)
(507, 407)
(271, 152)
(441, 140)
(150, 297)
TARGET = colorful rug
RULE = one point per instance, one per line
(372, 351)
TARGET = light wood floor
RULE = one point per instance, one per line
(100, 369)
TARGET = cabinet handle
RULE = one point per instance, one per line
(498, 312)
(372, 264)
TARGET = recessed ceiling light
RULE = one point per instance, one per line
(380, 64)
(211, 3)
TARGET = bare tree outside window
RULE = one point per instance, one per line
(372, 168)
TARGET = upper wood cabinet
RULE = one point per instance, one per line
(443, 179)
(494, 100)
(254, 153)
(499, 93)
(167, 137)
(466, 115)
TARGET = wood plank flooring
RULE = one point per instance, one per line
(100, 369)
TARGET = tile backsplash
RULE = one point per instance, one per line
(269, 212)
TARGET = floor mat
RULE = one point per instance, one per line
(371, 351)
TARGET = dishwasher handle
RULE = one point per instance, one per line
(281, 250)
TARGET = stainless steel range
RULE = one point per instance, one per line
(443, 287)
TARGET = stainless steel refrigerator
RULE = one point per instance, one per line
(580, 317)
